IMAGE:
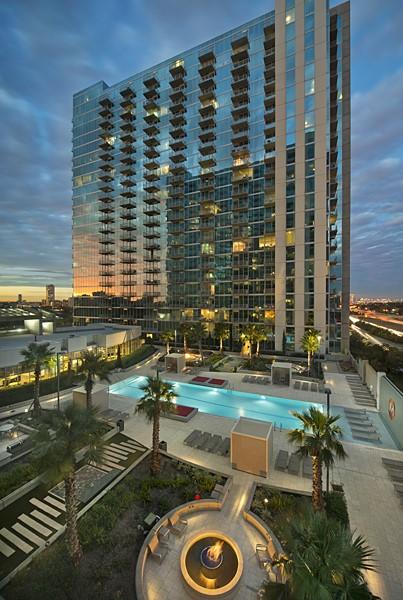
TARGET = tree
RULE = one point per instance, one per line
(324, 561)
(260, 334)
(186, 330)
(310, 343)
(199, 331)
(36, 357)
(158, 397)
(319, 439)
(247, 335)
(222, 332)
(92, 365)
(167, 337)
(73, 429)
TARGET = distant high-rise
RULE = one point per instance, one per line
(50, 294)
(216, 185)
(19, 299)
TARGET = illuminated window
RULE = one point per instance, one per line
(207, 248)
(269, 315)
(207, 313)
(290, 16)
(239, 246)
(290, 237)
(188, 313)
(164, 169)
(267, 241)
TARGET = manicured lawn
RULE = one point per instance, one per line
(111, 537)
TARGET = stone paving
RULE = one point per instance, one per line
(374, 508)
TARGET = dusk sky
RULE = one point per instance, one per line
(51, 49)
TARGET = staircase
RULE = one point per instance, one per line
(361, 394)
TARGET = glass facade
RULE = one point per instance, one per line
(174, 188)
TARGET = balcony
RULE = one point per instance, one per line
(207, 69)
(128, 193)
(207, 84)
(129, 204)
(106, 209)
(207, 58)
(106, 262)
(240, 97)
(151, 175)
(152, 247)
(177, 145)
(151, 200)
(151, 212)
(105, 241)
(177, 191)
(151, 165)
(106, 167)
(207, 184)
(207, 161)
(240, 69)
(106, 231)
(105, 113)
(207, 123)
(178, 133)
(106, 156)
(129, 149)
(106, 251)
(151, 106)
(177, 215)
(177, 69)
(207, 136)
(207, 94)
(128, 183)
(177, 169)
(152, 223)
(128, 138)
(128, 250)
(178, 121)
(174, 203)
(240, 139)
(127, 126)
(151, 188)
(178, 157)
(106, 125)
(128, 272)
(128, 226)
(177, 97)
(152, 119)
(127, 93)
(207, 148)
(151, 83)
(151, 153)
(128, 116)
(127, 215)
(107, 189)
(151, 142)
(240, 56)
(208, 110)
(106, 273)
(128, 105)
(106, 145)
(106, 177)
(128, 238)
(151, 94)
(128, 172)
(106, 199)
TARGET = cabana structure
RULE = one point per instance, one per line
(252, 446)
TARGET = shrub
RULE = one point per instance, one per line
(137, 356)
(336, 507)
(16, 477)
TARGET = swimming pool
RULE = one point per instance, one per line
(224, 402)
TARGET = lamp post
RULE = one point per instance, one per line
(58, 377)
(328, 391)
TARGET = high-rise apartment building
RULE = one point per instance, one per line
(50, 295)
(216, 185)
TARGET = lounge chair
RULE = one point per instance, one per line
(157, 550)
(307, 467)
(218, 382)
(281, 460)
(365, 436)
(294, 464)
(197, 440)
(177, 524)
(297, 385)
(203, 440)
(199, 379)
(213, 443)
(394, 464)
(224, 447)
(262, 555)
(189, 439)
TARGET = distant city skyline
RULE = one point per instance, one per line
(35, 245)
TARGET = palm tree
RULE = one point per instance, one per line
(36, 357)
(158, 397)
(92, 365)
(167, 337)
(248, 335)
(319, 439)
(310, 343)
(324, 560)
(73, 429)
(260, 334)
(222, 332)
(199, 331)
(186, 330)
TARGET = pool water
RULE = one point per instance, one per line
(225, 402)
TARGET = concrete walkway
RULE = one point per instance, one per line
(165, 580)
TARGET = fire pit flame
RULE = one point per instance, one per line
(214, 552)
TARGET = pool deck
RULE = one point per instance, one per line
(374, 509)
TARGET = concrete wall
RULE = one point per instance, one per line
(391, 407)
(249, 454)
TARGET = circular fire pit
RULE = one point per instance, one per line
(211, 564)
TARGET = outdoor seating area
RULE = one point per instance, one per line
(362, 427)
(292, 463)
(202, 440)
(256, 379)
(306, 386)
(394, 469)
(213, 381)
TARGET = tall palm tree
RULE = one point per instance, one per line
(158, 397)
(260, 335)
(318, 438)
(248, 335)
(310, 343)
(186, 330)
(74, 428)
(222, 332)
(167, 337)
(93, 365)
(199, 331)
(36, 357)
(324, 560)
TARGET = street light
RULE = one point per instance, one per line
(328, 391)
(61, 352)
